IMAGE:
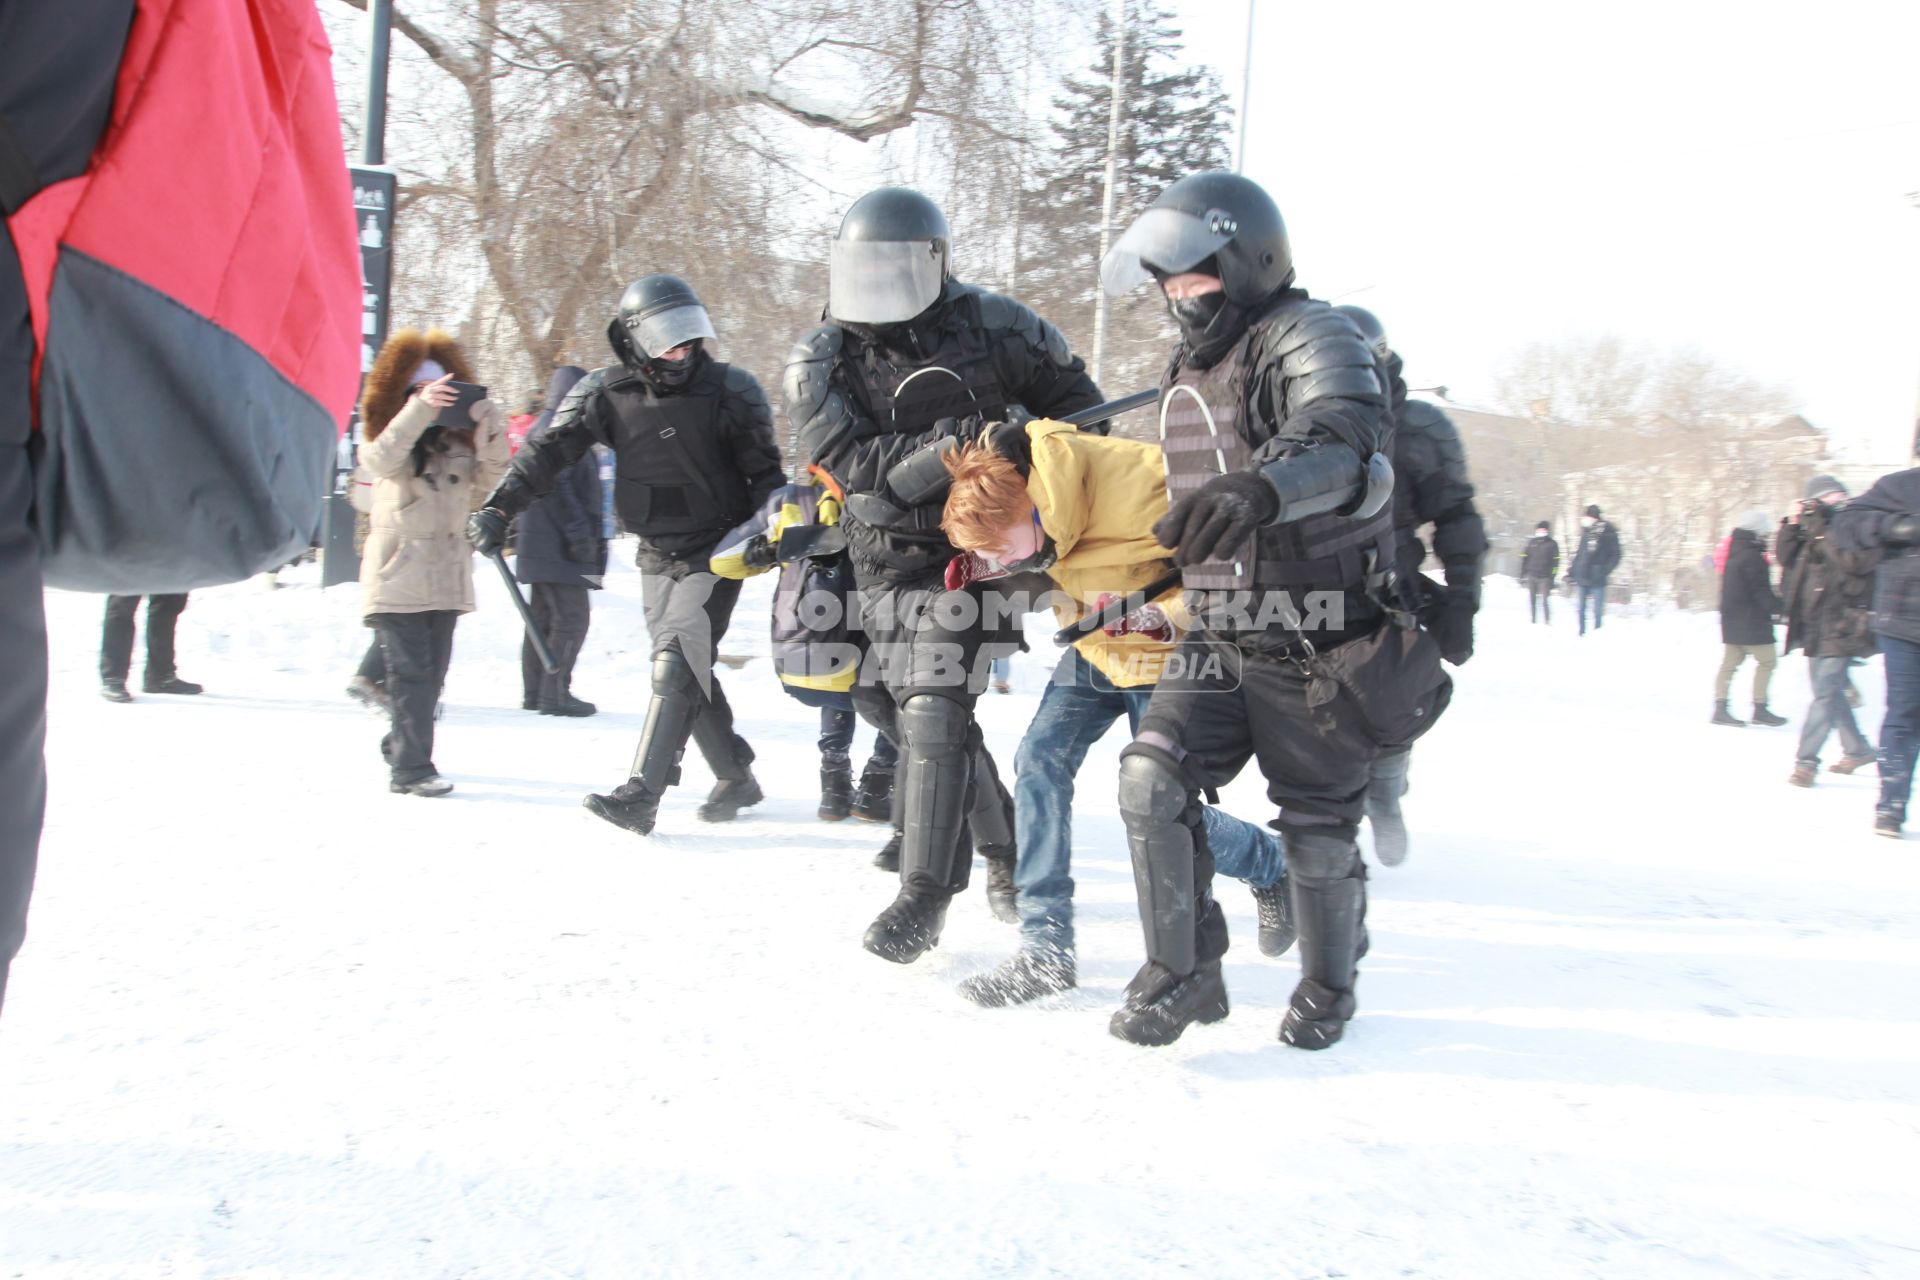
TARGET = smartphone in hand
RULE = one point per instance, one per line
(459, 414)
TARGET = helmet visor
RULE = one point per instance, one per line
(883, 281)
(664, 330)
(1166, 240)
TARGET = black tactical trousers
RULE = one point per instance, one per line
(691, 615)
(116, 635)
(562, 611)
(1215, 709)
(926, 641)
(418, 648)
(23, 698)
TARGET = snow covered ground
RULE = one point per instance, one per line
(1635, 1007)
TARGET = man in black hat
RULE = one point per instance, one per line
(1593, 563)
(1539, 565)
(694, 456)
(909, 364)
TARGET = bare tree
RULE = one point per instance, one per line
(565, 146)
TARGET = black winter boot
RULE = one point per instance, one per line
(115, 691)
(909, 927)
(568, 705)
(630, 806)
(1161, 1004)
(1276, 917)
(888, 859)
(169, 684)
(1723, 716)
(1763, 716)
(728, 797)
(836, 792)
(1002, 899)
(1028, 976)
(873, 802)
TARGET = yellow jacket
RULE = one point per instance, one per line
(1098, 498)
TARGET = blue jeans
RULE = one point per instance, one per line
(1830, 712)
(1900, 731)
(1599, 597)
(1078, 707)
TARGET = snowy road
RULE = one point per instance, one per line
(1635, 1007)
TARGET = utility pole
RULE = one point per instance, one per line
(1246, 98)
(1114, 107)
(380, 21)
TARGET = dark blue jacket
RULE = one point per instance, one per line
(1896, 580)
(557, 539)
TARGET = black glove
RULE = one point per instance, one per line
(487, 531)
(759, 553)
(1450, 619)
(585, 551)
(1901, 532)
(1010, 441)
(1209, 526)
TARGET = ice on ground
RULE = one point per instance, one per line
(1635, 1007)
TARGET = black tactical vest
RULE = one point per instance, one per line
(673, 473)
(947, 372)
(1207, 428)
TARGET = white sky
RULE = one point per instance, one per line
(1731, 177)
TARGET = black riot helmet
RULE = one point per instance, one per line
(1221, 216)
(659, 313)
(890, 260)
(1370, 328)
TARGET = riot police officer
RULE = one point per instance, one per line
(694, 456)
(910, 362)
(1430, 487)
(1275, 427)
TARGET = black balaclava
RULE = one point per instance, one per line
(671, 375)
(1210, 323)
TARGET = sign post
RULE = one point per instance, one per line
(374, 189)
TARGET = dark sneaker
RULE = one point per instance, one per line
(1761, 715)
(873, 802)
(1317, 1016)
(1159, 1005)
(1002, 899)
(1802, 776)
(836, 793)
(1847, 764)
(431, 785)
(629, 806)
(728, 797)
(908, 928)
(170, 684)
(1276, 917)
(1028, 976)
(115, 691)
(888, 859)
(1888, 825)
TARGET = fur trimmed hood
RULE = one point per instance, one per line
(392, 373)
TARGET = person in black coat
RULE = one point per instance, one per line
(1884, 523)
(561, 556)
(1538, 567)
(1827, 590)
(1594, 561)
(1748, 606)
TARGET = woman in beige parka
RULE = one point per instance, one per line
(416, 573)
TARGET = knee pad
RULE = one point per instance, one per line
(935, 728)
(1153, 787)
(672, 673)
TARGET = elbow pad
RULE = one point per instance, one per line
(922, 476)
(1329, 478)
